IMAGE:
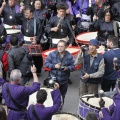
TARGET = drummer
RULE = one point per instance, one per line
(32, 31)
(8, 12)
(113, 112)
(45, 113)
(58, 28)
(93, 68)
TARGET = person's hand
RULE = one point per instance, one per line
(0, 74)
(33, 69)
(70, 45)
(65, 68)
(78, 16)
(34, 42)
(94, 18)
(55, 29)
(21, 8)
(57, 66)
(56, 86)
(101, 114)
(102, 103)
(3, 4)
(86, 76)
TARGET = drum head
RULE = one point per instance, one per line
(64, 116)
(13, 31)
(84, 38)
(94, 102)
(47, 103)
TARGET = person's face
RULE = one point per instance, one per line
(107, 17)
(67, 11)
(27, 14)
(11, 2)
(97, 1)
(37, 4)
(61, 47)
(109, 44)
(92, 48)
(61, 13)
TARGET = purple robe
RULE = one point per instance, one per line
(115, 108)
(21, 95)
(1, 81)
(45, 113)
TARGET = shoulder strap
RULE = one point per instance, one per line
(34, 113)
(1, 54)
(34, 26)
(15, 103)
(70, 28)
(115, 27)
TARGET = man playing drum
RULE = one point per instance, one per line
(59, 26)
(93, 68)
(32, 31)
(8, 12)
(42, 112)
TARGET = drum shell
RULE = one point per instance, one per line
(64, 116)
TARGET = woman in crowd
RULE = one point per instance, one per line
(106, 27)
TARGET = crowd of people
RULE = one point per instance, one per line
(28, 27)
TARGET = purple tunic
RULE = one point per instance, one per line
(45, 113)
(21, 95)
(115, 108)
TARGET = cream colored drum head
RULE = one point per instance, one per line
(101, 49)
(95, 101)
(86, 36)
(64, 116)
(47, 103)
(13, 31)
(71, 50)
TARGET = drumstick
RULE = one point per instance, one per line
(59, 22)
(101, 92)
(114, 62)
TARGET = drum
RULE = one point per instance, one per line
(13, 31)
(91, 105)
(85, 37)
(47, 103)
(35, 50)
(64, 116)
(101, 49)
(73, 50)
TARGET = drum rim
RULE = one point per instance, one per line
(82, 41)
(44, 55)
(97, 108)
(77, 116)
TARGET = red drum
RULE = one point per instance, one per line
(35, 50)
(85, 37)
(73, 50)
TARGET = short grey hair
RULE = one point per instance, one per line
(15, 75)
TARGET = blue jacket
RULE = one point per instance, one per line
(110, 73)
(54, 58)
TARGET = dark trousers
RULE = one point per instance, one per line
(38, 61)
(63, 90)
(107, 84)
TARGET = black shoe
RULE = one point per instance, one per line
(69, 81)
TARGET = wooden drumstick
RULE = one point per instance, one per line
(101, 92)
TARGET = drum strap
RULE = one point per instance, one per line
(115, 27)
(21, 108)
(34, 26)
(70, 28)
(34, 113)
